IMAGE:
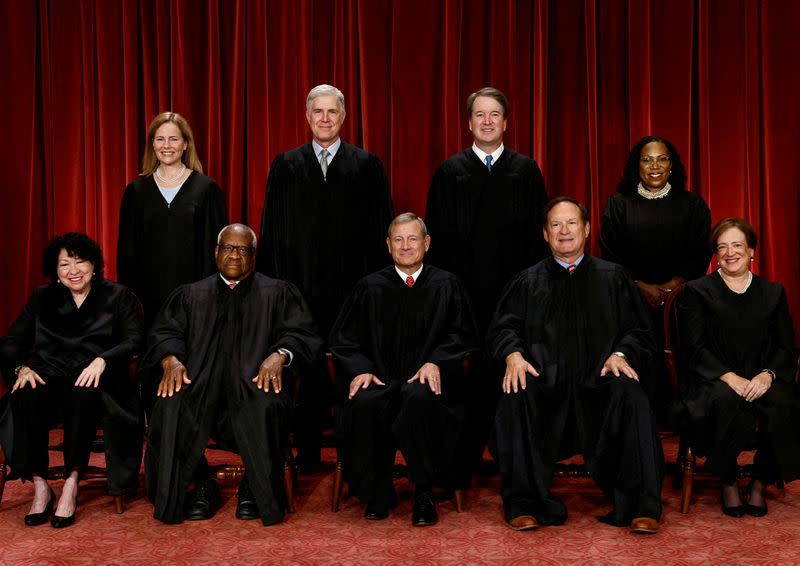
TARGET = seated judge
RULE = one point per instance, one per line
(68, 355)
(399, 342)
(574, 334)
(739, 352)
(221, 348)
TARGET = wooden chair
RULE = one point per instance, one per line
(399, 471)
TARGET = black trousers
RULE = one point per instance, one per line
(36, 410)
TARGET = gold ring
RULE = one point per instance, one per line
(274, 378)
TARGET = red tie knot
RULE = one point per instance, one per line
(410, 281)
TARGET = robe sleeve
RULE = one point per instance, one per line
(379, 215)
(294, 328)
(129, 230)
(540, 249)
(612, 232)
(698, 353)
(505, 334)
(781, 358)
(167, 335)
(461, 336)
(15, 347)
(636, 340)
(213, 219)
(697, 256)
(128, 329)
(345, 338)
(270, 260)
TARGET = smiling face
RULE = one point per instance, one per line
(487, 123)
(566, 232)
(169, 144)
(74, 273)
(325, 118)
(234, 254)
(733, 253)
(408, 246)
(655, 165)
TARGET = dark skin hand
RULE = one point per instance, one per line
(174, 377)
(656, 295)
(271, 372)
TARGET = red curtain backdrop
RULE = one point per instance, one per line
(585, 80)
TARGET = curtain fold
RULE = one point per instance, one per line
(585, 80)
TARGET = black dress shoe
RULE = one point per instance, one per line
(755, 510)
(202, 501)
(246, 507)
(424, 511)
(61, 522)
(376, 513)
(34, 519)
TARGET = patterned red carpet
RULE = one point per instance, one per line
(314, 535)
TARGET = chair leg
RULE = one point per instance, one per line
(119, 506)
(337, 487)
(288, 482)
(459, 496)
(688, 477)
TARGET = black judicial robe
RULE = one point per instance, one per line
(485, 227)
(222, 336)
(567, 327)
(162, 246)
(723, 331)
(390, 330)
(324, 235)
(657, 239)
(58, 340)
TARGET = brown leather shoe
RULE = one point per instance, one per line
(644, 525)
(524, 523)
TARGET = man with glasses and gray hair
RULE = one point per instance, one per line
(325, 216)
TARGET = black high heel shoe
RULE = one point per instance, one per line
(732, 511)
(754, 510)
(61, 522)
(34, 519)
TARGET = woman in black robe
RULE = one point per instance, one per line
(740, 390)
(169, 218)
(69, 352)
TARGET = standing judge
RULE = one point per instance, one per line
(169, 218)
(400, 340)
(320, 196)
(218, 349)
(576, 340)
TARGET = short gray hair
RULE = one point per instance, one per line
(325, 90)
(237, 226)
(406, 217)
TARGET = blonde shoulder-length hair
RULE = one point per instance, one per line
(189, 158)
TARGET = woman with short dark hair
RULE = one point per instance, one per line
(68, 353)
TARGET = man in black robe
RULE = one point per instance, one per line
(321, 196)
(576, 340)
(482, 205)
(399, 343)
(219, 347)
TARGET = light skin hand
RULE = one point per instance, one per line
(618, 365)
(362, 381)
(90, 376)
(429, 373)
(757, 386)
(174, 377)
(25, 377)
(271, 371)
(735, 382)
(517, 369)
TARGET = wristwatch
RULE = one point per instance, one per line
(18, 369)
(620, 354)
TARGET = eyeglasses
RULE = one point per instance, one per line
(649, 159)
(244, 251)
(173, 140)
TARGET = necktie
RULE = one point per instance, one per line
(410, 281)
(231, 285)
(571, 268)
(323, 162)
(488, 159)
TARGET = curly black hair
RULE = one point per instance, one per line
(630, 177)
(77, 245)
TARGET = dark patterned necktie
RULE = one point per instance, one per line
(410, 281)
(571, 268)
